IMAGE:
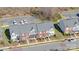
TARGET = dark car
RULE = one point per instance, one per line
(71, 40)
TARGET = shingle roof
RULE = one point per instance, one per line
(69, 22)
(26, 28)
(45, 26)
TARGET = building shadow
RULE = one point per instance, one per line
(58, 28)
(7, 33)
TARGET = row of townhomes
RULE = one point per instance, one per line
(29, 27)
(70, 24)
(31, 31)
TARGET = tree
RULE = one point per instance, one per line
(56, 17)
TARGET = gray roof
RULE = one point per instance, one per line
(45, 26)
(26, 28)
(69, 23)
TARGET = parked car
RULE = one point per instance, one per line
(70, 40)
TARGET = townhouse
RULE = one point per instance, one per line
(70, 24)
(46, 29)
(31, 30)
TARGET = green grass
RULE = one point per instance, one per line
(56, 18)
(5, 39)
(59, 35)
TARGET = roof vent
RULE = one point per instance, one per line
(25, 21)
(14, 22)
(22, 22)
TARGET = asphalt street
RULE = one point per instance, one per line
(55, 46)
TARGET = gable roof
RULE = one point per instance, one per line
(45, 26)
(69, 22)
(27, 28)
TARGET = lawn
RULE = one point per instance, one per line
(5, 39)
(59, 36)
